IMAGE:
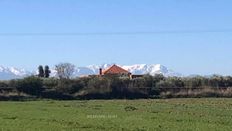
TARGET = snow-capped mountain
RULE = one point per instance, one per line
(83, 71)
(137, 69)
(152, 69)
(12, 73)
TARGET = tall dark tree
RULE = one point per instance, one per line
(47, 72)
(41, 71)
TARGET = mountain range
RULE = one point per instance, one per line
(7, 73)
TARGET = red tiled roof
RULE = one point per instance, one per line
(115, 70)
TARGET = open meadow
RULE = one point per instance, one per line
(205, 114)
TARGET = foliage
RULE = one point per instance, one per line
(113, 86)
(4, 84)
(99, 85)
(65, 70)
(41, 71)
(30, 85)
(50, 82)
(46, 71)
(170, 82)
(69, 86)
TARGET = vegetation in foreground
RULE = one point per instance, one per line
(155, 115)
(116, 87)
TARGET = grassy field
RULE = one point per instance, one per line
(162, 115)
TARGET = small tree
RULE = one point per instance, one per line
(41, 71)
(65, 70)
(47, 72)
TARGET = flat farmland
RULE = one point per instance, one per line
(203, 114)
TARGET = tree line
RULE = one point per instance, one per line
(117, 86)
(63, 70)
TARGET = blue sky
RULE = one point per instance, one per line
(188, 53)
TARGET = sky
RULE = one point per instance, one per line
(187, 36)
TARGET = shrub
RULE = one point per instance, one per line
(4, 84)
(50, 82)
(148, 81)
(30, 85)
(70, 86)
(165, 84)
(138, 82)
(99, 85)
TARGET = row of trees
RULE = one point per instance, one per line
(44, 72)
(159, 81)
(114, 86)
(64, 71)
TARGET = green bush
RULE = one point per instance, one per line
(50, 82)
(70, 86)
(99, 85)
(138, 82)
(30, 85)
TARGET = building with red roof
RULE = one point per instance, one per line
(114, 70)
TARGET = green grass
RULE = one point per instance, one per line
(162, 115)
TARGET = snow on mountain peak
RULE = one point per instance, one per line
(1, 68)
(18, 72)
(151, 69)
(12, 73)
(137, 69)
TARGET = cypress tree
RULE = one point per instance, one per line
(41, 71)
(47, 72)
